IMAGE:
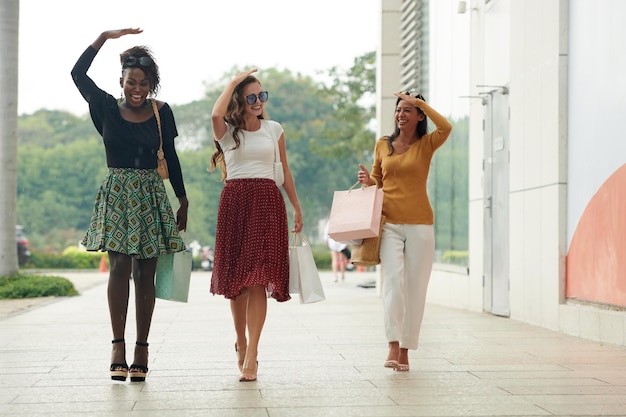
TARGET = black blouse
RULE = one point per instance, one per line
(128, 144)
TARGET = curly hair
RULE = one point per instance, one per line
(235, 117)
(151, 69)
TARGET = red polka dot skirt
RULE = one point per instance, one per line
(251, 240)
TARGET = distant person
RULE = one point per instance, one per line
(407, 246)
(132, 219)
(337, 256)
(251, 257)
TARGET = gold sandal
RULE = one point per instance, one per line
(391, 363)
(402, 367)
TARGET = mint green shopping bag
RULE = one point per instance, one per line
(173, 274)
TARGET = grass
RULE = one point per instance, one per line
(31, 286)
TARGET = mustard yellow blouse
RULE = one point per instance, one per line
(403, 177)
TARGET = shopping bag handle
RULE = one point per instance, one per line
(357, 183)
(354, 185)
(293, 240)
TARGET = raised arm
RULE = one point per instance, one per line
(113, 34)
(439, 136)
(444, 127)
(85, 85)
(221, 104)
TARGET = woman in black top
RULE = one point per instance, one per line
(132, 219)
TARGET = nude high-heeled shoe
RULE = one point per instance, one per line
(394, 349)
(248, 374)
(241, 356)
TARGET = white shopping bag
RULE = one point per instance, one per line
(301, 261)
(294, 272)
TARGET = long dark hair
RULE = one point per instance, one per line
(151, 69)
(421, 129)
(235, 117)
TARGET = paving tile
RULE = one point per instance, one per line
(559, 387)
(587, 409)
(323, 359)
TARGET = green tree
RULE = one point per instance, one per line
(49, 128)
(327, 131)
(348, 133)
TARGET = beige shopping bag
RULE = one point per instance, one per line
(355, 213)
(368, 252)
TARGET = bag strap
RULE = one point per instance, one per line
(276, 153)
(354, 185)
(298, 239)
(160, 154)
(362, 187)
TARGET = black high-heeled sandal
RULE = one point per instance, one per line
(138, 373)
(119, 371)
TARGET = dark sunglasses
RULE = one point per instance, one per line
(131, 61)
(251, 98)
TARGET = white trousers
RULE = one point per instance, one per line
(406, 259)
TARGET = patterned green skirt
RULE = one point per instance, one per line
(133, 215)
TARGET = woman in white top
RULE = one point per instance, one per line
(251, 258)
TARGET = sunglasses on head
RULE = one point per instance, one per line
(251, 98)
(142, 61)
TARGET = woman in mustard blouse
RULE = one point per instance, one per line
(407, 248)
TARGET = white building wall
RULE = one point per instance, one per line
(531, 63)
(388, 69)
(538, 161)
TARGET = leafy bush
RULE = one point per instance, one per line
(74, 258)
(321, 256)
(83, 259)
(71, 258)
(30, 286)
(456, 257)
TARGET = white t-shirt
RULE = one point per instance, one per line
(255, 156)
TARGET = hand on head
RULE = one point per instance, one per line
(242, 75)
(403, 95)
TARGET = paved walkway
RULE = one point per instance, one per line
(322, 359)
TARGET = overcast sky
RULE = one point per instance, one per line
(194, 42)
